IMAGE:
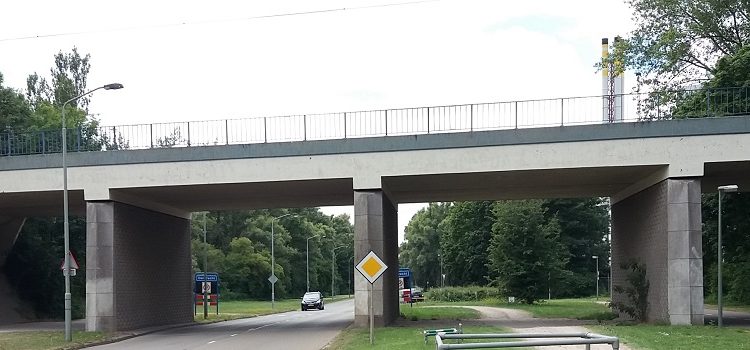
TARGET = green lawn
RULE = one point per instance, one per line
(582, 309)
(392, 338)
(45, 340)
(652, 337)
(418, 312)
(230, 310)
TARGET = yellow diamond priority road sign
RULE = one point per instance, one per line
(371, 267)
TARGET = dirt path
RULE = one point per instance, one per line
(522, 322)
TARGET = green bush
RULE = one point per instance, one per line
(469, 293)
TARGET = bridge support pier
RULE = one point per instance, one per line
(660, 227)
(137, 268)
(376, 229)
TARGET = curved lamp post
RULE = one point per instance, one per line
(333, 267)
(273, 262)
(307, 255)
(66, 263)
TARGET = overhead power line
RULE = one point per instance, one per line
(213, 21)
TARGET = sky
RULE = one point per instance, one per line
(197, 60)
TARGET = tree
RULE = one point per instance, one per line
(69, 79)
(466, 234)
(525, 253)
(584, 229)
(678, 42)
(15, 112)
(421, 248)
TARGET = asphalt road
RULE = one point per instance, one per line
(292, 330)
(729, 318)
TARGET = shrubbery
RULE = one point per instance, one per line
(469, 293)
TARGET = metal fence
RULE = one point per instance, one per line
(547, 339)
(658, 105)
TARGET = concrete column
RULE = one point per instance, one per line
(661, 228)
(138, 268)
(10, 227)
(376, 229)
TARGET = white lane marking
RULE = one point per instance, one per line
(233, 335)
(211, 342)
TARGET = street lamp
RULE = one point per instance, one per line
(442, 275)
(597, 275)
(308, 259)
(333, 265)
(66, 263)
(722, 190)
(273, 277)
(205, 268)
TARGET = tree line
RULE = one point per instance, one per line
(526, 248)
(239, 248)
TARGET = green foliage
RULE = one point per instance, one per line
(69, 79)
(736, 246)
(679, 41)
(679, 337)
(466, 235)
(239, 248)
(526, 253)
(33, 266)
(14, 109)
(636, 293)
(469, 293)
(422, 241)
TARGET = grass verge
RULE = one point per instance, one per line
(395, 338)
(47, 340)
(581, 309)
(730, 307)
(418, 312)
(647, 337)
(235, 309)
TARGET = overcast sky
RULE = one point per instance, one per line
(204, 60)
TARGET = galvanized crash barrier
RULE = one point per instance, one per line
(433, 332)
(577, 339)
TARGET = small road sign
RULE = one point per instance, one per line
(371, 267)
(273, 279)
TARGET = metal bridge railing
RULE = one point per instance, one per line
(543, 339)
(657, 105)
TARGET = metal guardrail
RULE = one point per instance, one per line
(586, 339)
(389, 122)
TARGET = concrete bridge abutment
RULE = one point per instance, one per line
(376, 229)
(660, 227)
(138, 268)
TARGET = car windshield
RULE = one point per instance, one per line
(311, 295)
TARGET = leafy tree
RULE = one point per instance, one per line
(69, 79)
(584, 228)
(247, 269)
(525, 253)
(677, 42)
(15, 111)
(421, 247)
(466, 234)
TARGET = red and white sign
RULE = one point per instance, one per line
(73, 263)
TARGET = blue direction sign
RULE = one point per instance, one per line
(404, 272)
(210, 277)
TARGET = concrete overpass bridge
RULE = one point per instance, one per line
(137, 203)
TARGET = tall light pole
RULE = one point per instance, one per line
(597, 275)
(66, 263)
(722, 190)
(442, 275)
(333, 266)
(205, 268)
(273, 277)
(308, 259)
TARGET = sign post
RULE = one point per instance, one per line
(372, 267)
